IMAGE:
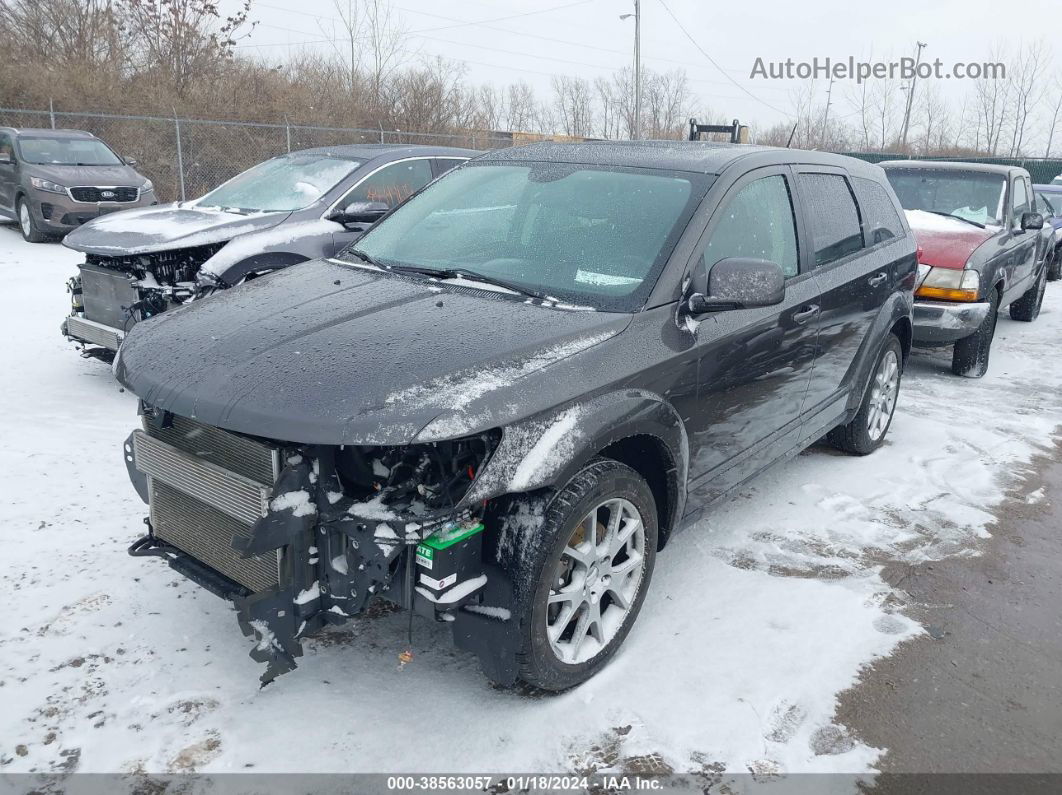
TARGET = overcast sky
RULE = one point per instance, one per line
(589, 39)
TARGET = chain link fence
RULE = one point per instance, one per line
(185, 158)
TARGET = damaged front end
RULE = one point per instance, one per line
(112, 293)
(303, 536)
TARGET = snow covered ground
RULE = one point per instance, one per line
(756, 619)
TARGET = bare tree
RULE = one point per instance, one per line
(183, 41)
(1057, 90)
(1026, 79)
(573, 102)
(522, 107)
(992, 97)
(666, 99)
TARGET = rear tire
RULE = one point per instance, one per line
(27, 225)
(866, 432)
(970, 357)
(1027, 308)
(596, 545)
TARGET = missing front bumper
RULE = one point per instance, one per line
(92, 333)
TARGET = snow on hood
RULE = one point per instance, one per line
(163, 227)
(946, 242)
(323, 353)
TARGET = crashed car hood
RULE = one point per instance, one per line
(163, 227)
(326, 353)
(77, 176)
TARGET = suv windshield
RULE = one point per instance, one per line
(61, 151)
(281, 184)
(966, 194)
(583, 234)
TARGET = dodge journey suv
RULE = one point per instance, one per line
(496, 407)
(52, 181)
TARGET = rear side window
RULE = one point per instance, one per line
(879, 213)
(832, 217)
(392, 184)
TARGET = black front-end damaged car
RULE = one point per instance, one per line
(498, 406)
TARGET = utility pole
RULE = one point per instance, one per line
(826, 114)
(910, 96)
(636, 132)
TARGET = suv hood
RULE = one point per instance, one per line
(163, 227)
(78, 176)
(946, 242)
(325, 353)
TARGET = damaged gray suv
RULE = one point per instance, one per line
(498, 405)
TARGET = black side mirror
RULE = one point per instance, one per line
(6, 158)
(1032, 221)
(738, 283)
(360, 213)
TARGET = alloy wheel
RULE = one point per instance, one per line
(883, 395)
(25, 220)
(596, 581)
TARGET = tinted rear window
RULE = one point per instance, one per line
(879, 213)
(832, 216)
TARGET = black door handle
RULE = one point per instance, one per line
(805, 314)
(877, 281)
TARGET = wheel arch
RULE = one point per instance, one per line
(904, 331)
(635, 427)
(651, 458)
(269, 260)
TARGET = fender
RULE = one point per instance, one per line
(266, 261)
(552, 447)
(897, 307)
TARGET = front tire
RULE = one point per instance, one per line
(1027, 308)
(585, 572)
(27, 225)
(1054, 270)
(970, 357)
(866, 432)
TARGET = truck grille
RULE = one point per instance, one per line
(206, 486)
(93, 194)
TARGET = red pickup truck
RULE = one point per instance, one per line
(981, 250)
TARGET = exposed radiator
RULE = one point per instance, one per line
(206, 486)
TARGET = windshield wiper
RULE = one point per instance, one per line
(366, 258)
(472, 276)
(952, 215)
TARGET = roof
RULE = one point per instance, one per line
(47, 131)
(388, 151)
(955, 165)
(703, 157)
(1047, 188)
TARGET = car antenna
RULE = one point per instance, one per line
(789, 143)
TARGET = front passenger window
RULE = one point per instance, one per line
(392, 184)
(758, 223)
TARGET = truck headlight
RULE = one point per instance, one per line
(949, 284)
(47, 185)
